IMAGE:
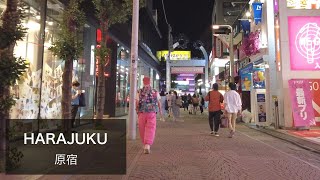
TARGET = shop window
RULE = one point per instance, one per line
(122, 82)
(52, 65)
(26, 91)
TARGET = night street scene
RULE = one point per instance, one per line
(159, 89)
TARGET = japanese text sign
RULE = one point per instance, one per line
(301, 102)
(304, 42)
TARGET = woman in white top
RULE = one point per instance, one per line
(232, 105)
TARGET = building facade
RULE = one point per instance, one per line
(287, 51)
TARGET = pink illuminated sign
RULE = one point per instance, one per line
(304, 42)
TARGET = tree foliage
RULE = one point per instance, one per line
(108, 12)
(11, 30)
(67, 46)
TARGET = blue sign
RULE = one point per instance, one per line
(262, 115)
(245, 24)
(261, 98)
(257, 12)
(247, 69)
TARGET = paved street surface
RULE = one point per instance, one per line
(186, 150)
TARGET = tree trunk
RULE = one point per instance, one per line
(66, 95)
(100, 92)
(101, 79)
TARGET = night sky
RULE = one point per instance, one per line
(190, 17)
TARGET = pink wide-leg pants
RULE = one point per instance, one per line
(147, 127)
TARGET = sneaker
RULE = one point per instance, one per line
(216, 134)
(146, 151)
(231, 134)
(212, 132)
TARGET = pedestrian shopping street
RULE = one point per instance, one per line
(186, 150)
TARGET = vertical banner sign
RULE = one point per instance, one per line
(301, 102)
(245, 24)
(257, 12)
(304, 42)
(218, 44)
(276, 6)
(262, 115)
(315, 89)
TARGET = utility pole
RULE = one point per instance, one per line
(168, 68)
(133, 75)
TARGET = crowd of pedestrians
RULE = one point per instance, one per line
(149, 102)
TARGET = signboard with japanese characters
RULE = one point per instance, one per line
(304, 42)
(85, 151)
(218, 44)
(175, 55)
(301, 102)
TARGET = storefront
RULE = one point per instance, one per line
(121, 65)
(38, 92)
(253, 90)
(299, 63)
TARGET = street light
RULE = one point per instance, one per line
(231, 49)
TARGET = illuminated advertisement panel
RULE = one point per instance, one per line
(304, 42)
(303, 4)
(175, 55)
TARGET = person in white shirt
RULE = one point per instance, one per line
(232, 104)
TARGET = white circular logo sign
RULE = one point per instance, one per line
(308, 42)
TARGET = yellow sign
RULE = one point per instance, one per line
(175, 55)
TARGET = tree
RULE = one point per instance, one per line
(69, 47)
(108, 12)
(11, 30)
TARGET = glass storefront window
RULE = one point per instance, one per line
(52, 65)
(26, 91)
(303, 4)
(122, 82)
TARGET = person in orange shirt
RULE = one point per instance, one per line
(215, 98)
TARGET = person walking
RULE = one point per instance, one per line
(147, 105)
(232, 106)
(163, 104)
(169, 101)
(185, 101)
(214, 98)
(195, 103)
(176, 106)
(201, 99)
(189, 99)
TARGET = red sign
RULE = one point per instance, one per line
(106, 74)
(315, 89)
